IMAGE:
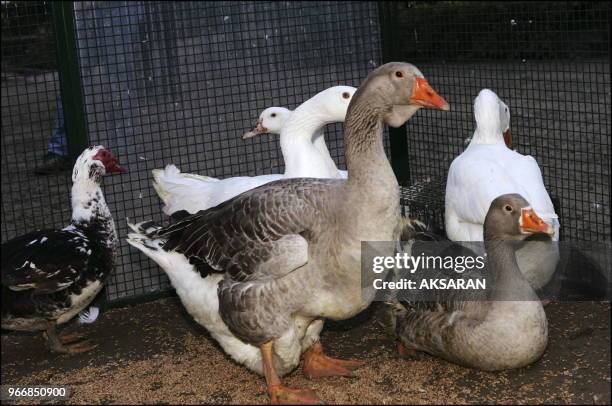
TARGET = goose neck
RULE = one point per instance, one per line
(508, 281)
(300, 128)
(366, 159)
(296, 140)
(485, 134)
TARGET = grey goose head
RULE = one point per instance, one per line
(511, 217)
(400, 89)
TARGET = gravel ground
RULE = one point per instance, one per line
(154, 353)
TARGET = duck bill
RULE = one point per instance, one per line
(531, 223)
(424, 95)
(114, 167)
(258, 130)
(508, 139)
(117, 169)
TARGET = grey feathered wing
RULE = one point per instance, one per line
(261, 234)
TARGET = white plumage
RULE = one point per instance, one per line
(488, 169)
(303, 147)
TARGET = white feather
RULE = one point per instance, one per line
(302, 144)
(89, 315)
(199, 296)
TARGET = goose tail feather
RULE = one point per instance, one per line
(174, 187)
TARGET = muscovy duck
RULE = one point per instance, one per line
(49, 276)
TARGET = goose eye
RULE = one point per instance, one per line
(508, 208)
(346, 95)
(399, 74)
(273, 115)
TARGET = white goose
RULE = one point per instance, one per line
(272, 120)
(302, 144)
(488, 169)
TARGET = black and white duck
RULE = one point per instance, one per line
(49, 276)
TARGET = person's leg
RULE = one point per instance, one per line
(57, 158)
(58, 144)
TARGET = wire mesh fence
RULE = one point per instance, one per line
(30, 100)
(550, 63)
(179, 82)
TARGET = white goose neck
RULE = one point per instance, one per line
(488, 119)
(487, 135)
(302, 158)
(305, 121)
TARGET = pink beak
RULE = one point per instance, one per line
(258, 130)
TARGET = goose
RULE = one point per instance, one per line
(487, 169)
(270, 121)
(49, 276)
(504, 116)
(289, 251)
(502, 328)
(301, 140)
(279, 116)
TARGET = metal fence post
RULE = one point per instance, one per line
(69, 77)
(390, 46)
(71, 91)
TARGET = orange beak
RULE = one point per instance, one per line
(531, 223)
(258, 130)
(508, 139)
(424, 95)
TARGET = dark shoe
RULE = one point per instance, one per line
(53, 164)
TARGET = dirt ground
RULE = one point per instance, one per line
(154, 353)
